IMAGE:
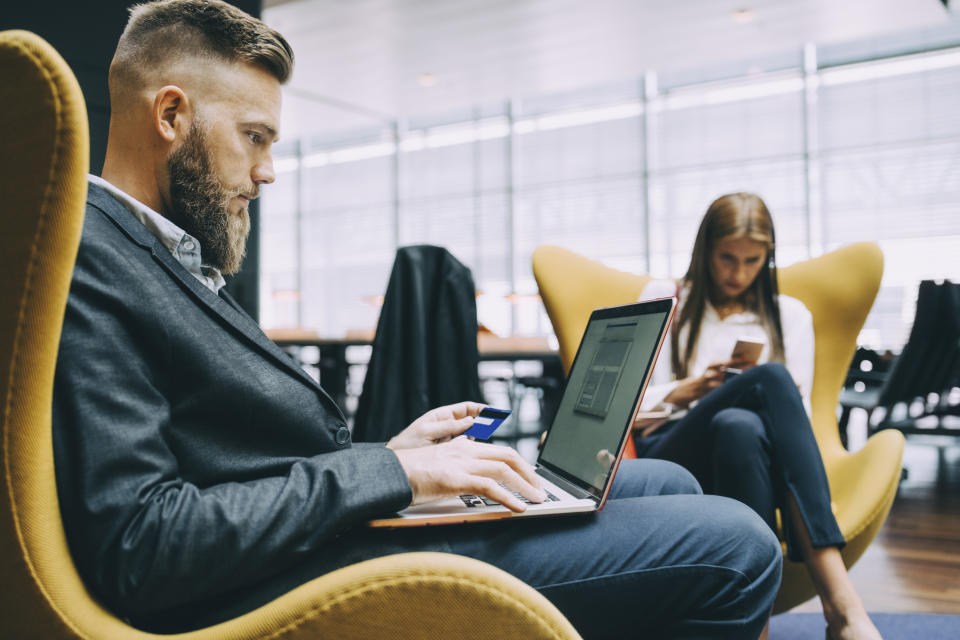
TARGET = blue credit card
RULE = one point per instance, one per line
(487, 422)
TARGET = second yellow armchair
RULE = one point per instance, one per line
(838, 288)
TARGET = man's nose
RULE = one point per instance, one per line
(263, 172)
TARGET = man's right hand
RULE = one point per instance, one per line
(462, 465)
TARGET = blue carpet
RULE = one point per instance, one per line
(892, 626)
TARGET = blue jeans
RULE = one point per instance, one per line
(660, 561)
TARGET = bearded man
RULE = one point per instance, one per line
(201, 473)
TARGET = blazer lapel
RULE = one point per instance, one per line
(235, 319)
(225, 307)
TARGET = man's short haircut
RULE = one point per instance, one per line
(163, 33)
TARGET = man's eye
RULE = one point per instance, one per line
(254, 137)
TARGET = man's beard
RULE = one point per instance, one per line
(201, 204)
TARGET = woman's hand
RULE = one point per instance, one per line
(691, 389)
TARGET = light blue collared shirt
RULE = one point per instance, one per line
(184, 247)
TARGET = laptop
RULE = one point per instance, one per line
(584, 445)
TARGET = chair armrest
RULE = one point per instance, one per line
(863, 484)
(409, 595)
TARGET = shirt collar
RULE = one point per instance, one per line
(184, 247)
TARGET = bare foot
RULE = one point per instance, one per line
(857, 626)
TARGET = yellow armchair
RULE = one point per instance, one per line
(43, 182)
(838, 288)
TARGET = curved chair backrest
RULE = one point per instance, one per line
(838, 288)
(45, 157)
(44, 186)
(572, 286)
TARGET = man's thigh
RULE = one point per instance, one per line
(659, 557)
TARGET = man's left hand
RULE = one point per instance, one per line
(437, 425)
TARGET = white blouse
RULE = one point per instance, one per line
(717, 338)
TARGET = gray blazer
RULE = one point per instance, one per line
(197, 465)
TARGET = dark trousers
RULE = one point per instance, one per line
(750, 439)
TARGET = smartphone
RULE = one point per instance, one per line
(487, 422)
(747, 351)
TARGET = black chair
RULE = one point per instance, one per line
(868, 369)
(425, 348)
(924, 380)
(549, 388)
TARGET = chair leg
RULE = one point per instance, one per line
(842, 424)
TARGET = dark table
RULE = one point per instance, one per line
(334, 368)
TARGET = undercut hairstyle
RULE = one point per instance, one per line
(162, 34)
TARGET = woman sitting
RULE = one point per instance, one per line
(741, 425)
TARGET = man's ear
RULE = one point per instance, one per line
(171, 112)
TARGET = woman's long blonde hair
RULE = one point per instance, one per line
(735, 215)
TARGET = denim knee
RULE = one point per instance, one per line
(652, 477)
(737, 432)
(753, 547)
(773, 373)
(675, 478)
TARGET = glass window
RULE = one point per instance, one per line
(889, 144)
(608, 174)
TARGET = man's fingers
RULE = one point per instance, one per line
(504, 473)
(462, 409)
(445, 429)
(486, 486)
(466, 466)
(487, 451)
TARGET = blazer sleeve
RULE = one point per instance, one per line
(144, 537)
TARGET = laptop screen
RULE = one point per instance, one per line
(615, 356)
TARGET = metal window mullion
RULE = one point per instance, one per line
(511, 208)
(395, 183)
(298, 228)
(648, 88)
(813, 196)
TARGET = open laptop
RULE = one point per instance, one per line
(584, 445)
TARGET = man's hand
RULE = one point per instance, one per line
(436, 426)
(462, 465)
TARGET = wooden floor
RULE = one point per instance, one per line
(914, 564)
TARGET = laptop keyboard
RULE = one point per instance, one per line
(480, 501)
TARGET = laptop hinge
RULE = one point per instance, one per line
(566, 485)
